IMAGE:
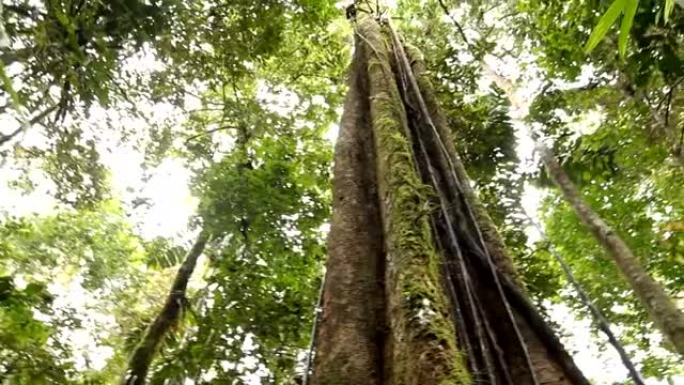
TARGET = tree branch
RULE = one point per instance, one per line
(8, 57)
(140, 360)
(23, 10)
(456, 23)
(314, 334)
(660, 307)
(4, 138)
(207, 132)
(667, 107)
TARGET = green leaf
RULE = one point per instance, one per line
(627, 21)
(604, 24)
(669, 6)
(9, 88)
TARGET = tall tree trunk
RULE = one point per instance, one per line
(660, 307)
(139, 363)
(351, 324)
(419, 289)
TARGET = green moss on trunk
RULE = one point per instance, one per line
(495, 244)
(422, 348)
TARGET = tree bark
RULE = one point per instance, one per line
(653, 297)
(139, 363)
(413, 293)
(351, 324)
(551, 363)
(421, 347)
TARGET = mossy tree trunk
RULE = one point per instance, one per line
(419, 287)
(168, 316)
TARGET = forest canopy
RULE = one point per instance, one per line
(168, 177)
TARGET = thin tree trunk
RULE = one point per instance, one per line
(660, 307)
(598, 316)
(139, 363)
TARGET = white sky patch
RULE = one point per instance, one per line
(586, 123)
(15, 202)
(172, 202)
(531, 202)
(277, 99)
(587, 72)
(603, 366)
(164, 190)
(94, 325)
(332, 133)
(144, 60)
(319, 100)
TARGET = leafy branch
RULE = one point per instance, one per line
(626, 8)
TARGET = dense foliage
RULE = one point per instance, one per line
(97, 98)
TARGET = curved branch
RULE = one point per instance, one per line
(8, 57)
(23, 10)
(660, 307)
(314, 334)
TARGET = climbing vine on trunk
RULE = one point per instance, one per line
(432, 298)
